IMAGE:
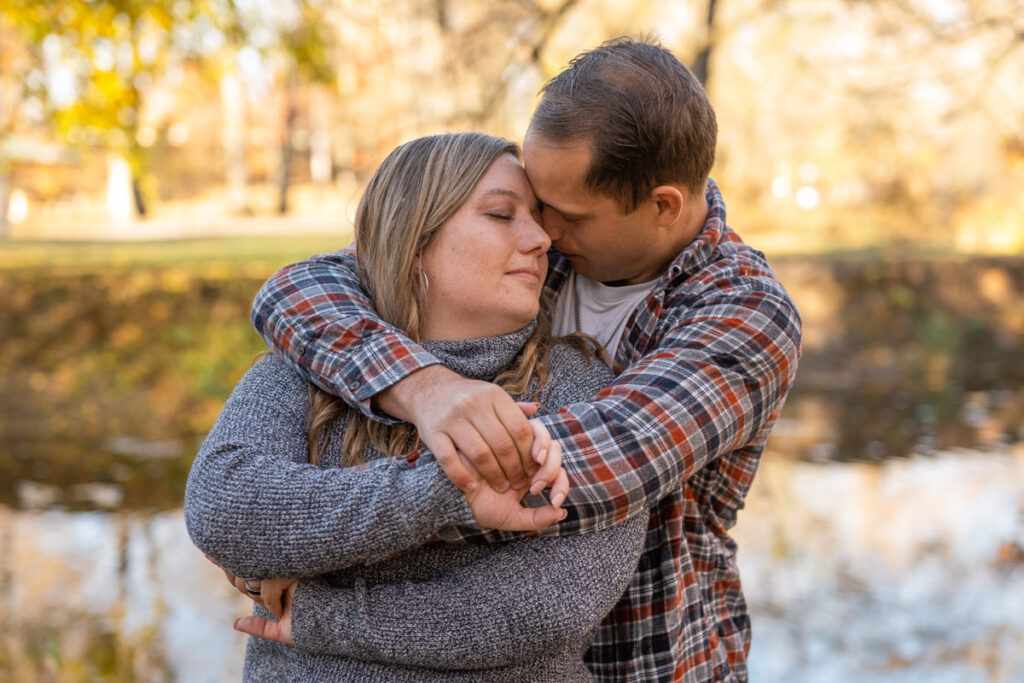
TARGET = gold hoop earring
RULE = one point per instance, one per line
(426, 281)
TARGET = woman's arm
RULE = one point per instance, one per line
(511, 603)
(484, 606)
(256, 506)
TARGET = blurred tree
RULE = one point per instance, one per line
(297, 39)
(6, 129)
(469, 37)
(701, 64)
(102, 58)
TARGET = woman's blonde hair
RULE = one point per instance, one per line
(416, 189)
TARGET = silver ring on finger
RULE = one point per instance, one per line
(252, 587)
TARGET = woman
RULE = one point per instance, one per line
(449, 249)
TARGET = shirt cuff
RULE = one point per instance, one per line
(377, 364)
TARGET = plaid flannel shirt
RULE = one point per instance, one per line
(709, 358)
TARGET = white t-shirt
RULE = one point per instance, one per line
(600, 310)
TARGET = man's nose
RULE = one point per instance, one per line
(552, 223)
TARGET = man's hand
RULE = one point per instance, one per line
(493, 510)
(456, 415)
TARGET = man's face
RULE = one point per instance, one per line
(603, 243)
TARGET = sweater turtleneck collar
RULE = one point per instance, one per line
(483, 358)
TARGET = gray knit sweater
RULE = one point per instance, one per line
(379, 604)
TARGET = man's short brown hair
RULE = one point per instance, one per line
(645, 115)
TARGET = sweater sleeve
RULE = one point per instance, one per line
(255, 505)
(514, 602)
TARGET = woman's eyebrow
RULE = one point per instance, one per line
(502, 191)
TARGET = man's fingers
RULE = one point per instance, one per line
(502, 447)
(522, 434)
(471, 444)
(444, 450)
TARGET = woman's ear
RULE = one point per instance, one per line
(668, 202)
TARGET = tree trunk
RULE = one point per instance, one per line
(5, 206)
(138, 196)
(321, 163)
(119, 188)
(701, 64)
(233, 140)
(284, 171)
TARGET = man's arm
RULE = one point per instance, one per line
(714, 383)
(315, 316)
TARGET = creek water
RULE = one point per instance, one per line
(883, 539)
(909, 571)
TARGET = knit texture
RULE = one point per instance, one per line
(520, 611)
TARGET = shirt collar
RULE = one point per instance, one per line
(698, 254)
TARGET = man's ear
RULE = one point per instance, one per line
(668, 202)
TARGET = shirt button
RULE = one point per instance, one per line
(353, 385)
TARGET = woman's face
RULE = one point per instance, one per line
(486, 265)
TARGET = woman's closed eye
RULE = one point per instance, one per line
(499, 215)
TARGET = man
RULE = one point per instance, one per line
(618, 152)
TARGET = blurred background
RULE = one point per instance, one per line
(159, 159)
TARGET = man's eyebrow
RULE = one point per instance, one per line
(568, 215)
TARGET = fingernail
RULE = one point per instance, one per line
(235, 625)
(522, 482)
(542, 456)
(537, 487)
(471, 486)
(502, 488)
(564, 514)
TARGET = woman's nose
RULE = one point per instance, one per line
(534, 238)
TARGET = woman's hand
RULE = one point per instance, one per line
(268, 629)
(548, 455)
(269, 593)
(494, 510)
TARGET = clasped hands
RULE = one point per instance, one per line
(486, 446)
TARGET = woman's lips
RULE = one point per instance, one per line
(528, 274)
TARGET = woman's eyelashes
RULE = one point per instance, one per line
(500, 214)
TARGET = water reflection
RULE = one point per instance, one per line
(906, 571)
(905, 357)
(112, 596)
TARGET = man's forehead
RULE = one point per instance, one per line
(557, 173)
